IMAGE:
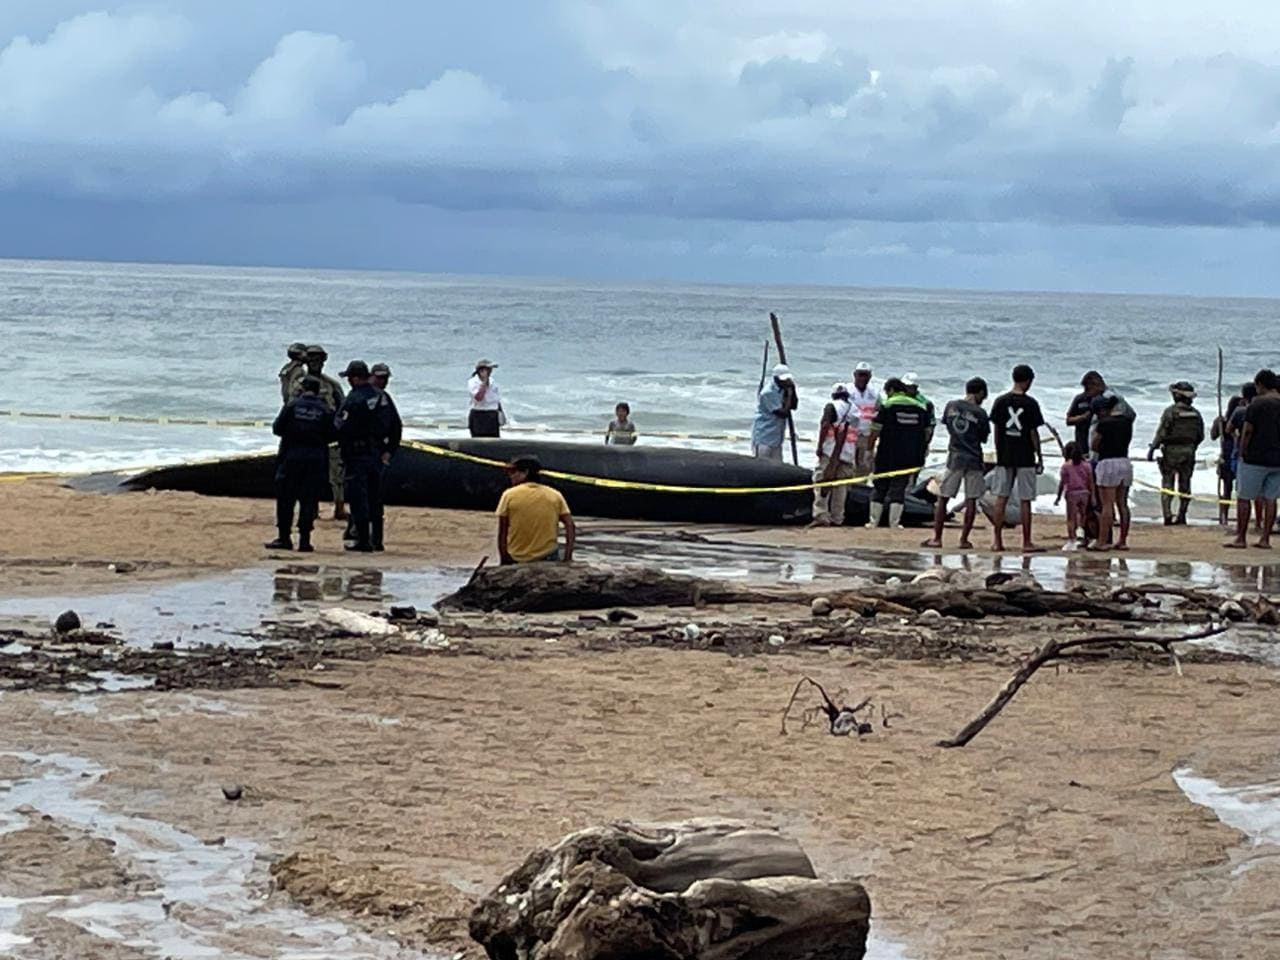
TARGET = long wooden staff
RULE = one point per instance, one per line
(782, 359)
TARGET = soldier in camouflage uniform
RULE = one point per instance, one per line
(332, 394)
(1181, 430)
(294, 369)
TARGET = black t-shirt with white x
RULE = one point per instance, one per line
(1016, 420)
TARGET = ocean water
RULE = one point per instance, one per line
(206, 342)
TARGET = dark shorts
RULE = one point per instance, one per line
(484, 423)
(890, 489)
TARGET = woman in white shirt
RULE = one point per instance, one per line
(486, 415)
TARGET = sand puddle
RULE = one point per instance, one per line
(156, 891)
(227, 609)
(1254, 810)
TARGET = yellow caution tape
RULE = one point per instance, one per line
(1184, 496)
(662, 487)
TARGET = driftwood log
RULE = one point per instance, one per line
(698, 890)
(549, 587)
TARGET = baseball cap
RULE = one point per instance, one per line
(782, 372)
(380, 370)
(862, 367)
(356, 368)
(911, 379)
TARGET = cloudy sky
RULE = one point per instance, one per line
(1047, 144)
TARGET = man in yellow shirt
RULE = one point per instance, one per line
(529, 518)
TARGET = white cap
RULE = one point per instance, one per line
(862, 367)
(911, 380)
(782, 372)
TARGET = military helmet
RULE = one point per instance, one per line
(297, 350)
(315, 350)
(380, 370)
(1182, 388)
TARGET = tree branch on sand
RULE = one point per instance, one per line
(1053, 650)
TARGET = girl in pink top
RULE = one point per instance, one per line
(1075, 481)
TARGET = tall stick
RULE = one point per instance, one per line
(764, 369)
(782, 358)
(1222, 427)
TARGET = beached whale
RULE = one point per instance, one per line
(464, 474)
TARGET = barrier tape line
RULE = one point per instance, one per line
(664, 487)
(744, 438)
(1194, 498)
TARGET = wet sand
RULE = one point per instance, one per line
(411, 784)
(389, 793)
(58, 539)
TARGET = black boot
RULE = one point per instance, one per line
(375, 538)
(304, 542)
(281, 542)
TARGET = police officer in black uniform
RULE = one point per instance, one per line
(305, 428)
(390, 430)
(360, 436)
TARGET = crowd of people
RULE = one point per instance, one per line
(885, 433)
(347, 440)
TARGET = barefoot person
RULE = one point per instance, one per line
(1258, 477)
(1180, 432)
(1222, 432)
(529, 518)
(1016, 420)
(1114, 471)
(968, 428)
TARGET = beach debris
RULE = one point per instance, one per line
(821, 607)
(841, 721)
(705, 889)
(691, 632)
(929, 616)
(1052, 651)
(775, 640)
(67, 621)
(407, 612)
(356, 623)
(618, 615)
(232, 791)
(1232, 610)
(163, 645)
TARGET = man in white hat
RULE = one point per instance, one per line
(865, 398)
(773, 406)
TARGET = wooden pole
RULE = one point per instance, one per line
(764, 369)
(782, 358)
(1222, 427)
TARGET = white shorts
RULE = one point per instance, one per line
(1114, 472)
(973, 481)
(1014, 483)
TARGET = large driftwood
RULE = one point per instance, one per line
(699, 890)
(1053, 650)
(547, 587)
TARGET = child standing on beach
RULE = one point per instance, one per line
(622, 430)
(1075, 481)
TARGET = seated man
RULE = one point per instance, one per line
(529, 516)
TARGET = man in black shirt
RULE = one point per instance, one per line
(1259, 473)
(897, 442)
(1016, 421)
(305, 427)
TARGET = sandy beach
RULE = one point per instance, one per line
(390, 792)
